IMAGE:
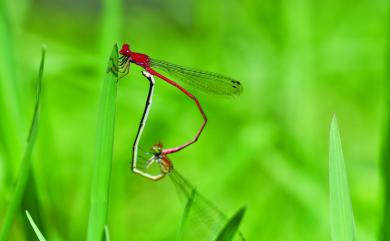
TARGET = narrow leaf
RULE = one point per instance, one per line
(34, 226)
(101, 172)
(341, 213)
(385, 162)
(385, 229)
(106, 233)
(231, 228)
(25, 165)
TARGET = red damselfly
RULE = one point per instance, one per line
(202, 80)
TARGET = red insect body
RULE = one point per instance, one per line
(125, 50)
(139, 59)
(207, 81)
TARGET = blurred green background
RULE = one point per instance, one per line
(299, 61)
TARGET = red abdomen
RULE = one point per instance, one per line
(140, 59)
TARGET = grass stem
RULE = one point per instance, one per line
(25, 165)
(101, 172)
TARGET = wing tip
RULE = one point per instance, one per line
(237, 87)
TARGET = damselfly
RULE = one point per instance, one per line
(205, 220)
(202, 80)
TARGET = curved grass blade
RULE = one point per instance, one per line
(101, 172)
(231, 228)
(341, 214)
(34, 226)
(25, 165)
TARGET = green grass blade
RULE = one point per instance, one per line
(231, 228)
(103, 154)
(106, 233)
(111, 22)
(385, 226)
(186, 213)
(341, 214)
(385, 229)
(11, 121)
(34, 226)
(25, 165)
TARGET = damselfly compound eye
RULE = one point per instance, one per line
(125, 50)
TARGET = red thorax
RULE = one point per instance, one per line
(139, 59)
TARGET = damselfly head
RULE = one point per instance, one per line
(157, 148)
(125, 50)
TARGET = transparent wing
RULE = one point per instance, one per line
(204, 221)
(204, 81)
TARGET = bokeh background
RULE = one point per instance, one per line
(300, 63)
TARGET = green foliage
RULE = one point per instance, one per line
(34, 226)
(106, 233)
(10, 106)
(231, 228)
(341, 214)
(385, 229)
(25, 165)
(298, 61)
(104, 150)
(385, 232)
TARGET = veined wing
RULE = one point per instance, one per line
(205, 81)
(204, 221)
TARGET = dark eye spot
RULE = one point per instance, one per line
(234, 86)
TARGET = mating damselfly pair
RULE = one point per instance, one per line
(210, 219)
